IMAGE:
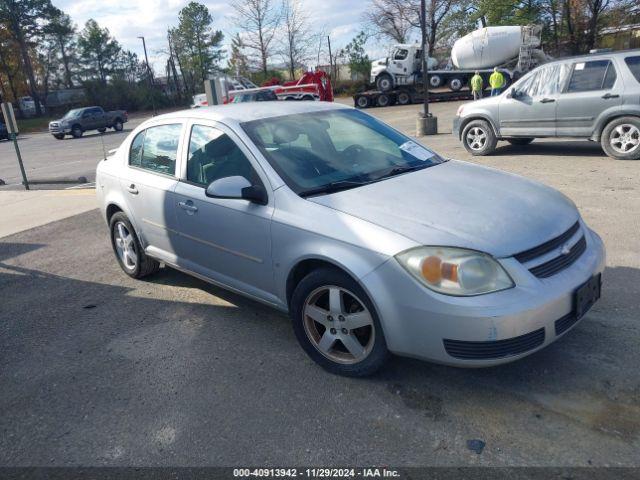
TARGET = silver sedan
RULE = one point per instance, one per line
(372, 242)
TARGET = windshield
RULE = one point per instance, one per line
(319, 150)
(72, 113)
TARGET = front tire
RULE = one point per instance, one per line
(384, 82)
(59, 136)
(76, 131)
(478, 138)
(621, 138)
(336, 324)
(126, 246)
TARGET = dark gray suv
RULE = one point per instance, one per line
(595, 97)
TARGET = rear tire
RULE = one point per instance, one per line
(455, 84)
(621, 138)
(519, 141)
(478, 138)
(126, 246)
(118, 126)
(404, 98)
(322, 336)
(361, 101)
(383, 100)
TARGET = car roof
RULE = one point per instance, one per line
(245, 112)
(596, 55)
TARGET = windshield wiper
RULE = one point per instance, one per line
(403, 169)
(332, 187)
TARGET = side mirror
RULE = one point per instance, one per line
(237, 187)
(513, 93)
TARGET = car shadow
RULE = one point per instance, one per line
(572, 148)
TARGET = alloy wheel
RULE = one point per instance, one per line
(125, 246)
(476, 138)
(338, 324)
(625, 138)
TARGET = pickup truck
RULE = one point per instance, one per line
(80, 120)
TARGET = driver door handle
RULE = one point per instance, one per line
(547, 100)
(188, 206)
(607, 96)
(132, 189)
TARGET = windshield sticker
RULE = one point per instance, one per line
(416, 150)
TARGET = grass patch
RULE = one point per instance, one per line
(37, 124)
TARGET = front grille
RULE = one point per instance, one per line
(565, 323)
(494, 349)
(554, 265)
(546, 247)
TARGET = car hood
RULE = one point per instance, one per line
(463, 205)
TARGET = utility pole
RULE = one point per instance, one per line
(152, 83)
(331, 71)
(426, 123)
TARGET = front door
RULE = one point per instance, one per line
(227, 240)
(149, 186)
(593, 87)
(528, 109)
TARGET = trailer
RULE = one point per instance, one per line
(405, 96)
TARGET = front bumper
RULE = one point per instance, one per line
(55, 129)
(416, 321)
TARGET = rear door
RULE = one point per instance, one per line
(532, 111)
(593, 87)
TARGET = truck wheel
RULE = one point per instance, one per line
(384, 82)
(118, 125)
(455, 84)
(76, 131)
(383, 100)
(59, 136)
(404, 98)
(362, 101)
(621, 138)
(519, 141)
(435, 81)
(478, 138)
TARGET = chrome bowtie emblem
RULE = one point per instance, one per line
(566, 249)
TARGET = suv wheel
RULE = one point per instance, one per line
(621, 138)
(336, 324)
(128, 250)
(76, 131)
(519, 141)
(478, 138)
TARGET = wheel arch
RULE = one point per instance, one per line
(608, 116)
(479, 116)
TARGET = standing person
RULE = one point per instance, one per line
(496, 80)
(476, 86)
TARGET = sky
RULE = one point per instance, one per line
(129, 19)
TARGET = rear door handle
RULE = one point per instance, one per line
(188, 206)
(547, 100)
(607, 96)
(132, 189)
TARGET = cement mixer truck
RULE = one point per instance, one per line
(398, 78)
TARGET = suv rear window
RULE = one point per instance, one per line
(594, 75)
(634, 65)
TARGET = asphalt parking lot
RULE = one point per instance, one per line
(99, 369)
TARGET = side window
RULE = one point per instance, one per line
(401, 54)
(594, 75)
(135, 152)
(159, 149)
(213, 155)
(634, 65)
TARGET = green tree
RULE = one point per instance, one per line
(23, 20)
(199, 43)
(354, 52)
(238, 63)
(63, 32)
(99, 51)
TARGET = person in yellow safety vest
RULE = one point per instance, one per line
(477, 86)
(496, 81)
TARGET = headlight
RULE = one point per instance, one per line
(455, 271)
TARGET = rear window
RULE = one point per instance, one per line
(634, 65)
(594, 75)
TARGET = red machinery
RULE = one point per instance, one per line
(311, 86)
